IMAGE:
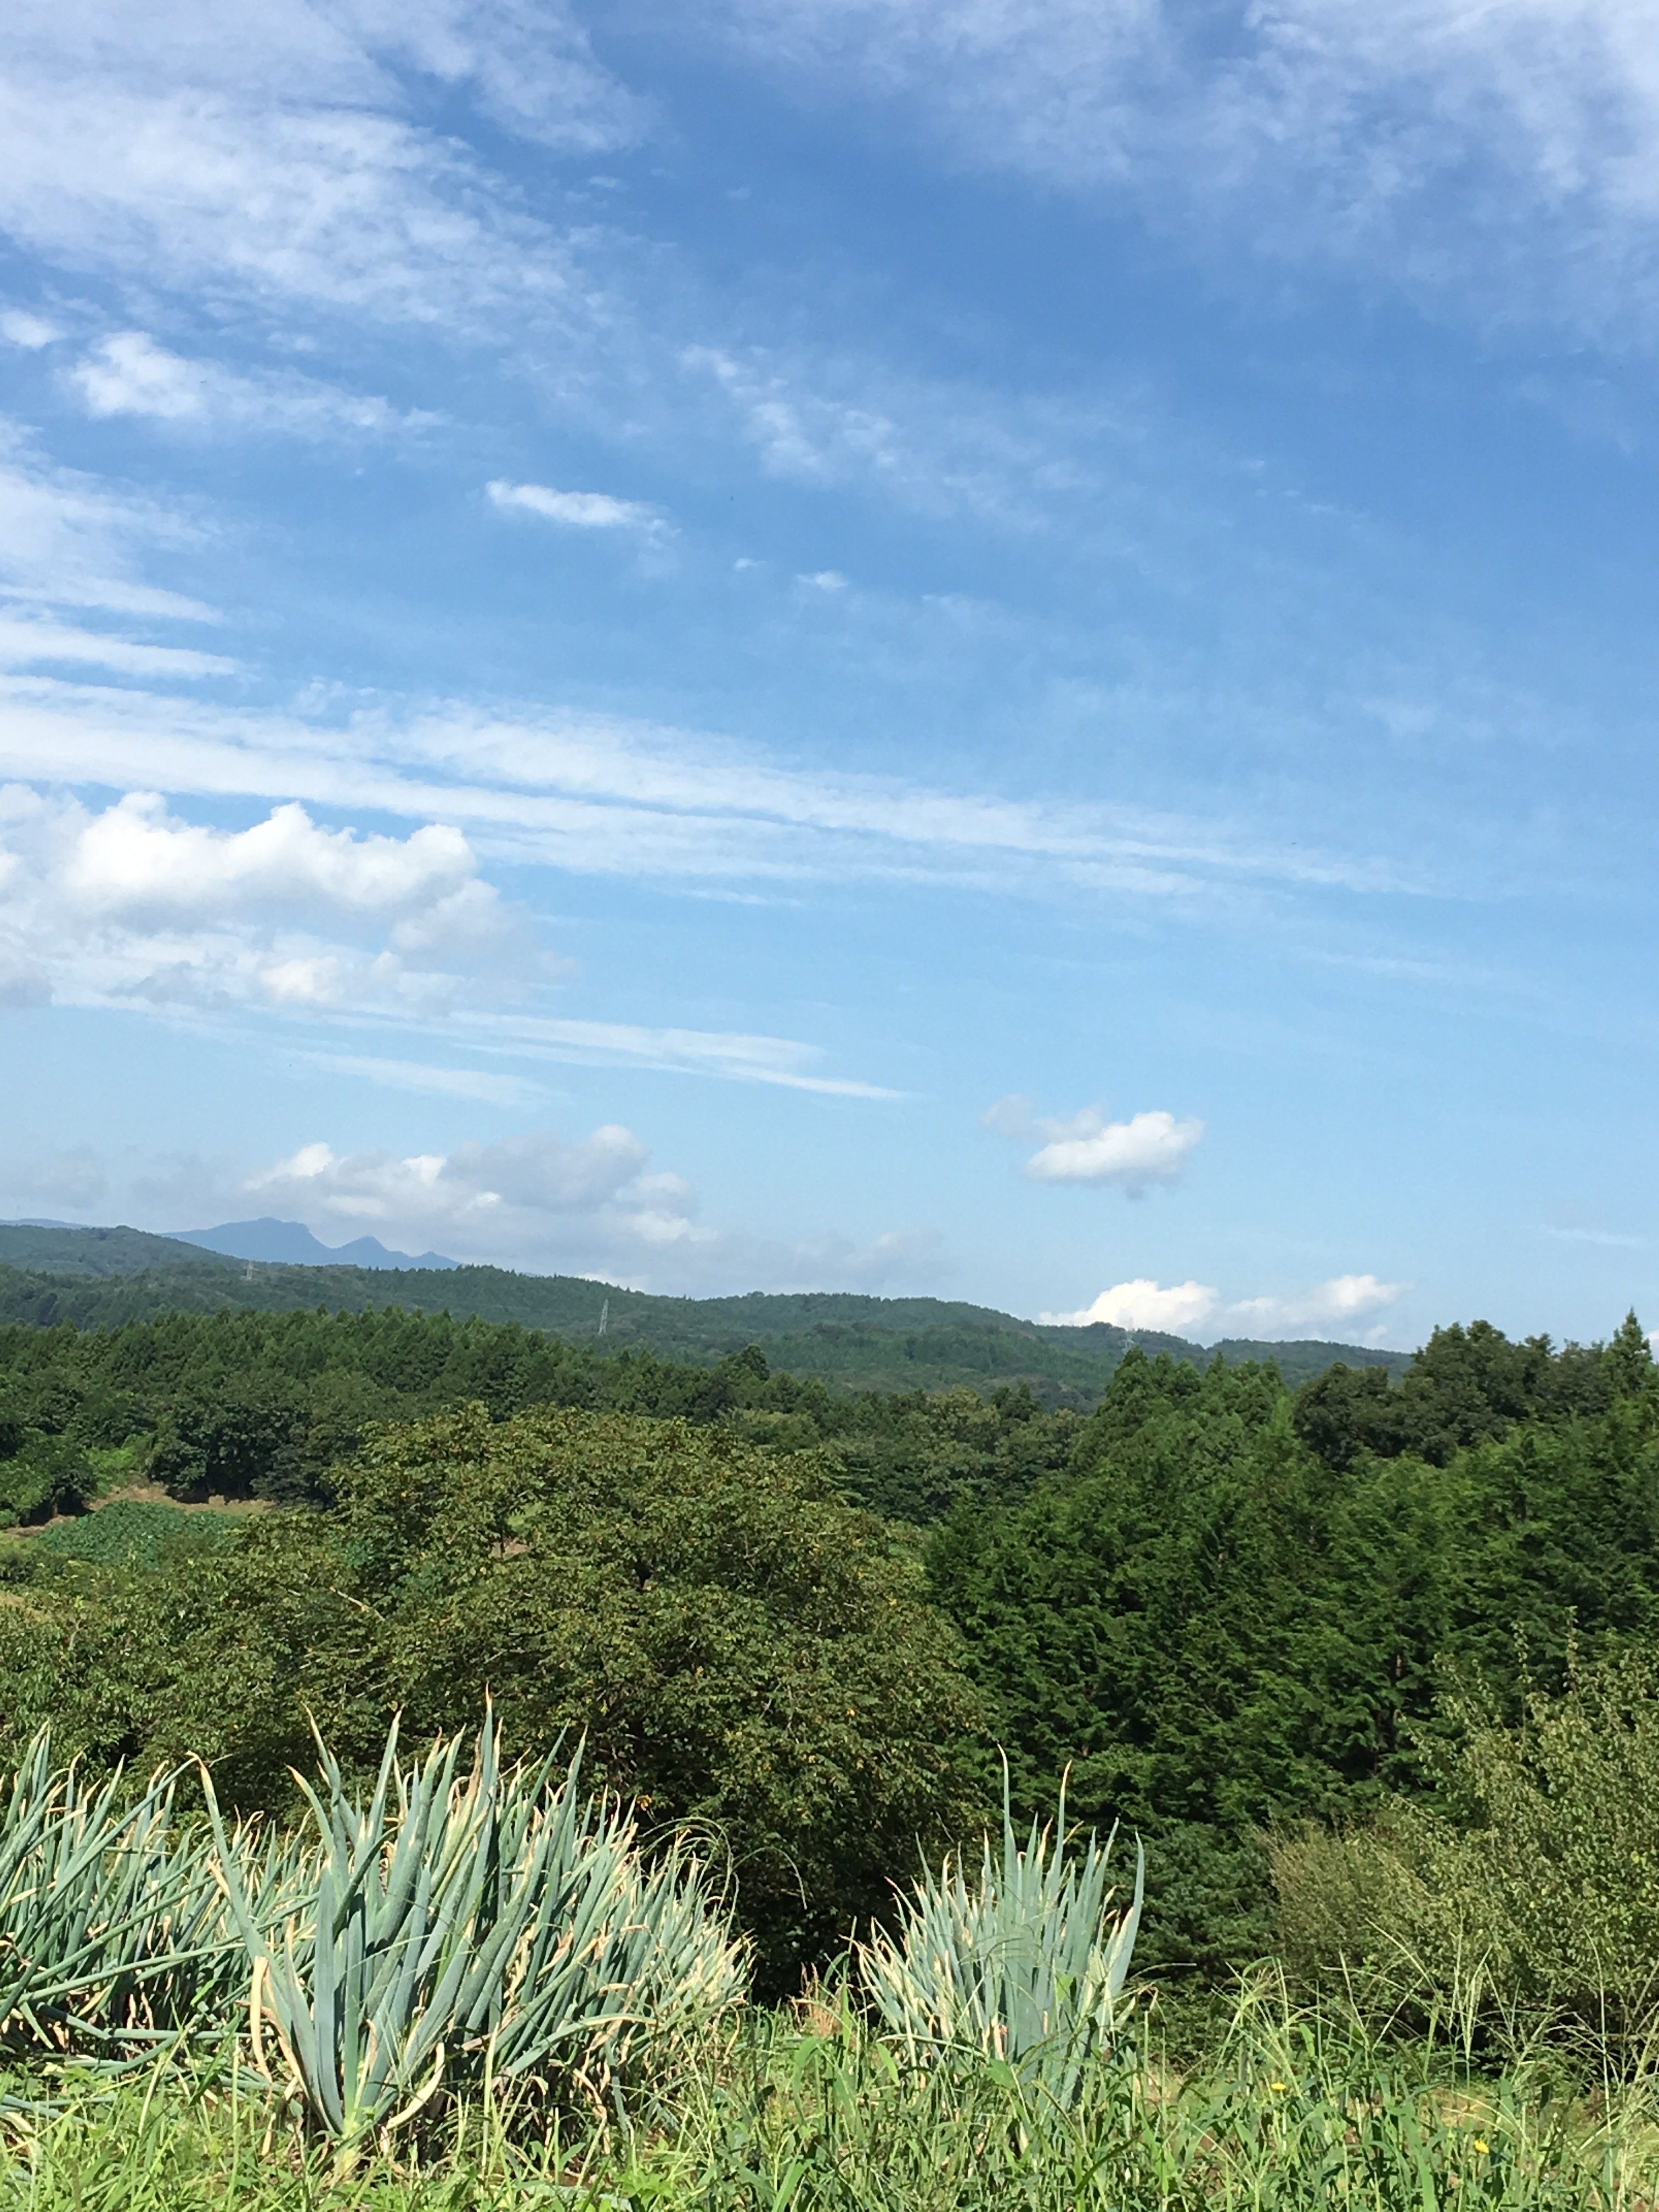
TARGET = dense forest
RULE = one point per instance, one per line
(808, 1620)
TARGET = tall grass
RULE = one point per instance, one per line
(114, 1930)
(468, 1988)
(1293, 2111)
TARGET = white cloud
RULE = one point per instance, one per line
(742, 1057)
(541, 1200)
(1178, 1307)
(1339, 1303)
(608, 797)
(1142, 1304)
(1148, 1148)
(27, 641)
(136, 859)
(935, 446)
(20, 328)
(269, 151)
(129, 373)
(68, 539)
(134, 907)
(1503, 157)
(500, 1192)
(592, 1206)
(423, 1076)
(577, 510)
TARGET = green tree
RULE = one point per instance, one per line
(741, 1648)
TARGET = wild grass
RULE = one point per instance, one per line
(474, 1989)
(1293, 2108)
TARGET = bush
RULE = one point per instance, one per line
(1529, 1888)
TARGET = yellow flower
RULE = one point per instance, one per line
(1482, 2145)
(1278, 2088)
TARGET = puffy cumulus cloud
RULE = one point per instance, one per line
(577, 510)
(1340, 1303)
(129, 373)
(20, 328)
(503, 1198)
(1148, 1148)
(132, 906)
(1144, 1303)
(539, 1200)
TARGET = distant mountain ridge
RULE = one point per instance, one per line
(100, 1277)
(290, 1244)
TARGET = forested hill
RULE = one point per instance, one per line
(103, 1278)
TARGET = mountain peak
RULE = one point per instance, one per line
(291, 1244)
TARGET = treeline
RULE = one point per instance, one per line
(1219, 1607)
(106, 1278)
(263, 1406)
(1241, 1606)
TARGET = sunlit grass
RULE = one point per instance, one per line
(1291, 2109)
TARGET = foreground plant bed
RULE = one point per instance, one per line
(1287, 2111)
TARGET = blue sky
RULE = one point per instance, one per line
(962, 646)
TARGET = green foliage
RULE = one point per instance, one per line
(482, 1922)
(259, 1405)
(1287, 2112)
(1466, 1387)
(1022, 1964)
(1223, 1605)
(1529, 1888)
(1219, 1628)
(742, 1649)
(136, 1533)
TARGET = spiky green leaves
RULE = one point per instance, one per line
(1021, 1962)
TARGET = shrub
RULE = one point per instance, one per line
(1529, 1888)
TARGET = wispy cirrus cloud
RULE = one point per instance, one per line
(29, 641)
(130, 373)
(603, 796)
(71, 539)
(1501, 160)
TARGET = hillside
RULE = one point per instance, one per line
(102, 1277)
